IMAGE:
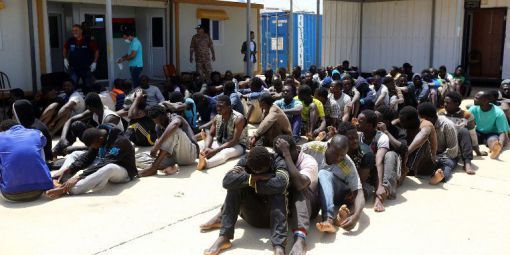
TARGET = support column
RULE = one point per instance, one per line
(248, 39)
(290, 38)
(318, 40)
(109, 44)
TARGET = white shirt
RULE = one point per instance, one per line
(107, 112)
(383, 90)
(107, 100)
(79, 106)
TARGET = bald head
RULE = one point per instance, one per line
(339, 142)
(337, 149)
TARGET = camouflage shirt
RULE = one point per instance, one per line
(201, 45)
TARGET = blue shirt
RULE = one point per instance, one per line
(191, 113)
(490, 122)
(22, 165)
(136, 45)
(205, 112)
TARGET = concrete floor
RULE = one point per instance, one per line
(161, 215)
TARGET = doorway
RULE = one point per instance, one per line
(157, 46)
(483, 49)
(96, 29)
(56, 42)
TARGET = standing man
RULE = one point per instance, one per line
(80, 57)
(249, 54)
(134, 56)
(201, 43)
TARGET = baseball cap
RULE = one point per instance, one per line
(199, 26)
(505, 81)
(327, 82)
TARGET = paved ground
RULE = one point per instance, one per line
(161, 215)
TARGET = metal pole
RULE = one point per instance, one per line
(267, 41)
(360, 47)
(290, 38)
(317, 34)
(432, 32)
(32, 44)
(277, 50)
(109, 43)
(248, 39)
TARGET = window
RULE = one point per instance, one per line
(214, 29)
(157, 32)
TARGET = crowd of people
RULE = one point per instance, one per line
(327, 141)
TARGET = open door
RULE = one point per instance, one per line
(485, 31)
(157, 46)
(56, 42)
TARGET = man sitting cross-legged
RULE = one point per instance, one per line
(110, 158)
(312, 114)
(229, 129)
(176, 144)
(292, 108)
(338, 179)
(491, 123)
(273, 124)
(256, 190)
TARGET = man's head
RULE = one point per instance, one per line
(452, 102)
(441, 72)
(266, 101)
(346, 65)
(482, 98)
(223, 105)
(348, 129)
(77, 31)
(269, 73)
(394, 70)
(68, 86)
(459, 71)
(312, 69)
(367, 121)
(94, 138)
(338, 147)
(176, 97)
(259, 160)
(277, 85)
(409, 118)
(417, 80)
(322, 94)
(385, 114)
(216, 77)
(93, 103)
(158, 114)
(292, 145)
(426, 76)
(7, 124)
(427, 111)
(229, 87)
(376, 80)
(252, 35)
(144, 81)
(288, 92)
(505, 88)
(128, 35)
(308, 76)
(407, 68)
(228, 76)
(305, 94)
(200, 29)
(256, 84)
(347, 84)
(337, 88)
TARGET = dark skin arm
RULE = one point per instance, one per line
(359, 203)
(128, 57)
(238, 129)
(174, 107)
(419, 139)
(347, 113)
(299, 181)
(85, 115)
(134, 111)
(170, 129)
(210, 136)
(293, 111)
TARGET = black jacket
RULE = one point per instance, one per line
(116, 150)
(246, 48)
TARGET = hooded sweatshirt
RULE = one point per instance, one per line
(24, 113)
(117, 149)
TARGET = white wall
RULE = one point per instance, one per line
(228, 54)
(448, 34)
(506, 53)
(15, 44)
(340, 32)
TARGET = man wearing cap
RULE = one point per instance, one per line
(201, 43)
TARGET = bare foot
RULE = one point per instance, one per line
(213, 223)
(279, 250)
(496, 150)
(202, 162)
(299, 247)
(326, 226)
(55, 193)
(320, 136)
(437, 178)
(379, 204)
(343, 213)
(171, 170)
(222, 243)
(147, 172)
(468, 167)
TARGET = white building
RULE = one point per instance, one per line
(164, 27)
(374, 34)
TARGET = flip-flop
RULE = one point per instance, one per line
(222, 248)
(210, 226)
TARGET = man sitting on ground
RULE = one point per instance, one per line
(176, 144)
(110, 158)
(504, 97)
(491, 124)
(24, 175)
(447, 143)
(343, 100)
(292, 108)
(275, 123)
(229, 129)
(141, 129)
(338, 179)
(312, 114)
(331, 108)
(184, 107)
(256, 190)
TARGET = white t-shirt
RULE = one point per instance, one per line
(107, 100)
(381, 140)
(383, 90)
(342, 102)
(107, 112)
(79, 106)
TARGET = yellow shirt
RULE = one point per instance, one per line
(305, 113)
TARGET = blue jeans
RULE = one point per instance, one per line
(332, 191)
(135, 75)
(295, 123)
(448, 165)
(84, 75)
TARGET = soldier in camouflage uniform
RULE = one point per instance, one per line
(201, 43)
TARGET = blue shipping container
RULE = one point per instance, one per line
(274, 52)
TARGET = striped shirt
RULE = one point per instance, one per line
(447, 144)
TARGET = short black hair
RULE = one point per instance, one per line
(257, 159)
(371, 117)
(345, 127)
(337, 83)
(386, 112)
(427, 109)
(409, 113)
(93, 100)
(257, 82)
(494, 94)
(305, 90)
(90, 135)
(156, 111)
(128, 32)
(176, 97)
(455, 96)
(225, 100)
(289, 139)
(267, 99)
(7, 124)
(322, 92)
(229, 86)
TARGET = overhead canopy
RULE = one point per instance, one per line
(212, 14)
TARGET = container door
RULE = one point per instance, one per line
(157, 46)
(56, 42)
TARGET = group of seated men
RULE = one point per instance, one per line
(338, 139)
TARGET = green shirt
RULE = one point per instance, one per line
(490, 122)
